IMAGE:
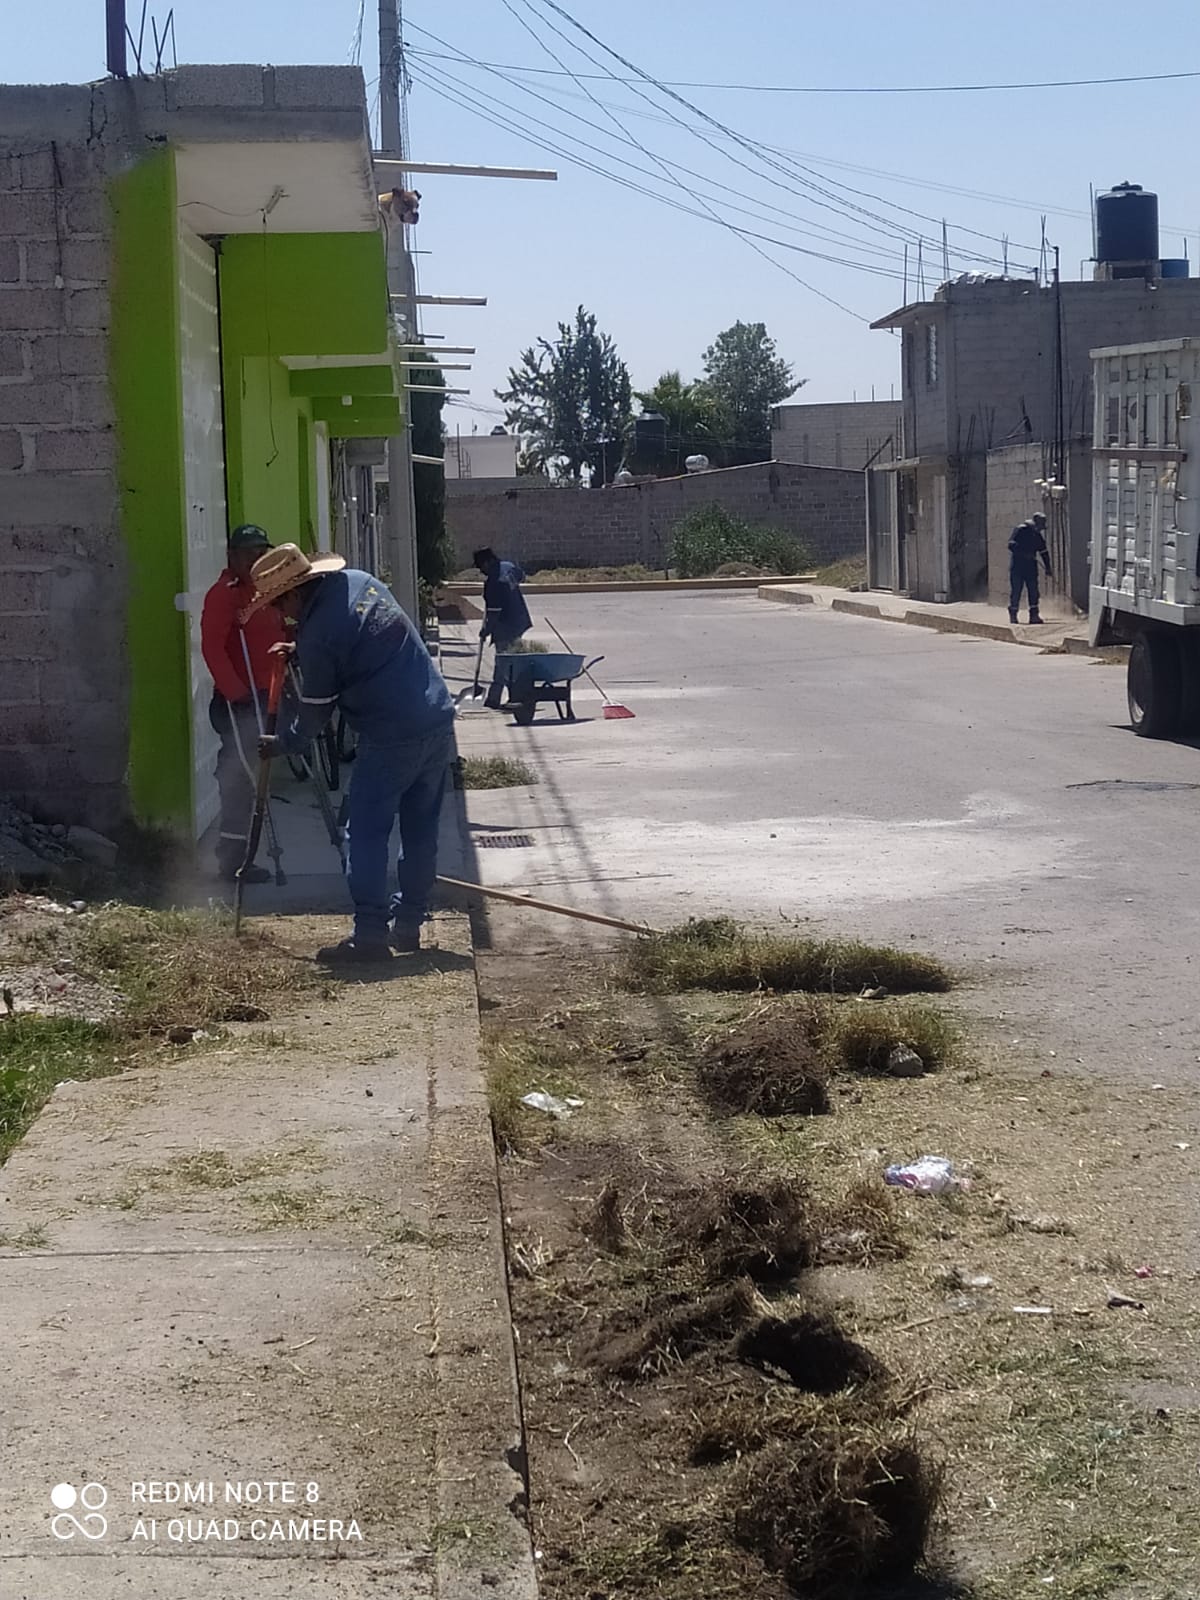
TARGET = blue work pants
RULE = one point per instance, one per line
(405, 781)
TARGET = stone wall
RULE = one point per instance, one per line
(62, 582)
(822, 506)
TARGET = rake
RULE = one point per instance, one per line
(612, 711)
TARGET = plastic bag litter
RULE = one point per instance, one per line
(560, 1110)
(929, 1175)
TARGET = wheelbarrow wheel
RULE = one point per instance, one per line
(523, 712)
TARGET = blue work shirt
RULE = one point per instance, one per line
(507, 614)
(356, 649)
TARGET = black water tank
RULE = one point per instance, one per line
(1127, 224)
(650, 435)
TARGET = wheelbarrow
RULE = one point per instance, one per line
(533, 680)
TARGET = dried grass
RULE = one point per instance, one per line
(864, 1036)
(494, 772)
(838, 1495)
(676, 1331)
(719, 954)
(735, 1228)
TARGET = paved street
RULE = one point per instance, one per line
(983, 800)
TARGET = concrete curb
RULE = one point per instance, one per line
(457, 591)
(936, 622)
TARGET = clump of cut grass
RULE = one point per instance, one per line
(848, 574)
(769, 1065)
(633, 573)
(527, 647)
(677, 1331)
(185, 968)
(36, 1054)
(860, 1225)
(495, 772)
(719, 954)
(863, 1036)
(843, 1496)
(514, 1068)
(737, 1229)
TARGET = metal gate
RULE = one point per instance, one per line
(204, 492)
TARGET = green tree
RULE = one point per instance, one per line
(746, 373)
(435, 559)
(570, 400)
(695, 418)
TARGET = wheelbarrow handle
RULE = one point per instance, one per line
(594, 662)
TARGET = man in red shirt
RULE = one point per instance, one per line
(239, 659)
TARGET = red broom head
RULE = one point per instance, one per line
(616, 713)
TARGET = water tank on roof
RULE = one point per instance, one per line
(1126, 225)
(650, 435)
(1176, 267)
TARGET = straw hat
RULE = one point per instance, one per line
(284, 568)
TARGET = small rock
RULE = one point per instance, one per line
(1042, 1222)
(180, 1035)
(904, 1062)
(91, 846)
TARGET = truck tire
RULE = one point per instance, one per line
(1155, 685)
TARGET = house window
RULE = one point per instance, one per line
(931, 357)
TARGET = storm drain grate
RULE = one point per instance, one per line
(505, 841)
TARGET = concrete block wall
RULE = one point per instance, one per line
(822, 506)
(62, 585)
(1011, 498)
(836, 434)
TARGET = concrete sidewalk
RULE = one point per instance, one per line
(1063, 634)
(274, 1264)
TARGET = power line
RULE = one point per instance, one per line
(811, 192)
(826, 234)
(448, 89)
(822, 88)
(790, 168)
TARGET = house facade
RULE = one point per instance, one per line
(987, 366)
(194, 318)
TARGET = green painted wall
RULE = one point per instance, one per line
(305, 294)
(270, 475)
(145, 359)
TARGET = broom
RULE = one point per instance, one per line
(612, 711)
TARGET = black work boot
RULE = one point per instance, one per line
(1035, 616)
(1013, 618)
(353, 953)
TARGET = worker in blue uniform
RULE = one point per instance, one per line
(1026, 546)
(358, 651)
(506, 614)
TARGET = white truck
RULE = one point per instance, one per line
(1145, 568)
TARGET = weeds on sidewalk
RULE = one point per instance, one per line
(493, 772)
(36, 1053)
(718, 953)
(185, 968)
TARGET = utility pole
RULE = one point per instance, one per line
(117, 55)
(400, 534)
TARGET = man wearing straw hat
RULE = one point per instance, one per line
(357, 650)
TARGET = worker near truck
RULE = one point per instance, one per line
(240, 663)
(506, 616)
(358, 651)
(1025, 548)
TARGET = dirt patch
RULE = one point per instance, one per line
(770, 1065)
(811, 1350)
(763, 1232)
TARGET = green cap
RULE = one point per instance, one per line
(249, 536)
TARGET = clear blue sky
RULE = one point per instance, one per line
(663, 283)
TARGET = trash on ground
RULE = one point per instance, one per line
(1042, 1222)
(1117, 1302)
(876, 993)
(560, 1110)
(956, 1278)
(1143, 1272)
(904, 1062)
(1033, 1311)
(929, 1175)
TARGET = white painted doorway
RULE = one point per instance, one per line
(204, 493)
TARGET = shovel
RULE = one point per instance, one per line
(474, 691)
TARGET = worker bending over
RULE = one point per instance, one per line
(1027, 544)
(240, 663)
(506, 615)
(358, 651)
